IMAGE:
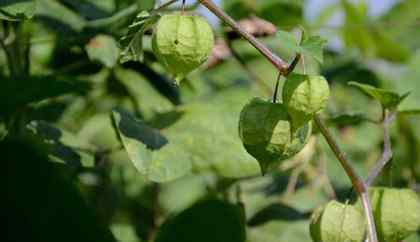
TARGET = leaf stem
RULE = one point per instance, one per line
(358, 184)
(387, 151)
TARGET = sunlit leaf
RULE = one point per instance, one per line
(132, 42)
(311, 46)
(104, 49)
(314, 46)
(388, 99)
(17, 9)
(58, 17)
(182, 193)
(202, 135)
(288, 41)
(151, 153)
(124, 232)
(208, 132)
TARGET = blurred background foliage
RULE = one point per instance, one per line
(70, 157)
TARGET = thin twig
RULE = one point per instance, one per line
(165, 5)
(293, 180)
(387, 151)
(183, 6)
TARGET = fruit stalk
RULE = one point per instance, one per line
(358, 184)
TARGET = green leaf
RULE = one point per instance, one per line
(114, 19)
(184, 192)
(355, 30)
(200, 136)
(207, 221)
(146, 4)
(132, 42)
(58, 17)
(286, 13)
(347, 120)
(91, 9)
(208, 132)
(370, 37)
(16, 94)
(280, 230)
(65, 147)
(239, 9)
(403, 19)
(125, 232)
(288, 41)
(149, 150)
(314, 47)
(389, 48)
(104, 49)
(277, 211)
(17, 9)
(311, 46)
(388, 99)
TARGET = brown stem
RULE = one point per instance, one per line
(359, 186)
(280, 64)
(357, 182)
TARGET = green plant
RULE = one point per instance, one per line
(96, 138)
